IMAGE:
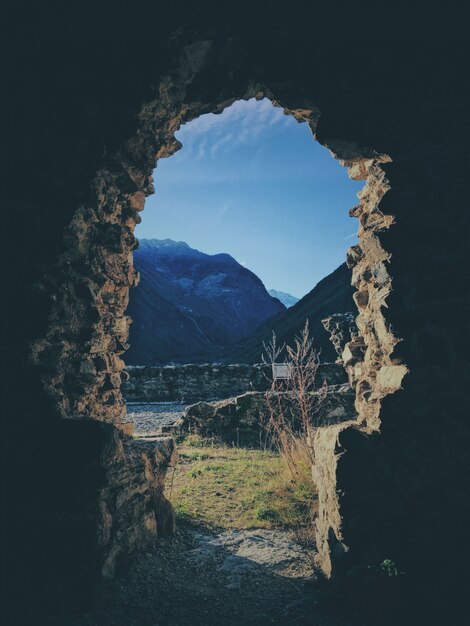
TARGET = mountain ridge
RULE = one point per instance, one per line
(191, 306)
(287, 299)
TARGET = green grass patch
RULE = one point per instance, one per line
(238, 488)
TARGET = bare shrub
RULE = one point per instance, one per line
(294, 402)
(294, 405)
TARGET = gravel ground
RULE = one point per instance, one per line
(154, 418)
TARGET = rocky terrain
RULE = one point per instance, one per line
(331, 295)
(190, 306)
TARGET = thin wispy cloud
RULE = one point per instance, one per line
(239, 125)
(227, 139)
(201, 153)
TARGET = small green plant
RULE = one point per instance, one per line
(388, 566)
(182, 514)
(214, 467)
(267, 515)
(195, 473)
(196, 456)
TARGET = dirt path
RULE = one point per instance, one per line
(208, 578)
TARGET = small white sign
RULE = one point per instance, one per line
(281, 371)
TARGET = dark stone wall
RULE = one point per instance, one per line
(90, 97)
(416, 500)
(192, 383)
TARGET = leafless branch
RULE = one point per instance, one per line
(294, 402)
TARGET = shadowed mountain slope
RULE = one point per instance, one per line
(331, 295)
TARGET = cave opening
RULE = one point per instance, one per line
(254, 175)
(99, 95)
(84, 377)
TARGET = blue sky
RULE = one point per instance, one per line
(252, 182)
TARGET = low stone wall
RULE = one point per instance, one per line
(195, 383)
(241, 420)
(136, 469)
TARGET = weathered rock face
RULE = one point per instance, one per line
(242, 420)
(134, 508)
(88, 105)
(343, 329)
(192, 383)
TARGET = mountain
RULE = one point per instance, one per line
(286, 298)
(331, 295)
(190, 306)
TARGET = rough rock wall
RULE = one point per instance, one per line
(367, 357)
(342, 328)
(379, 475)
(89, 104)
(192, 383)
